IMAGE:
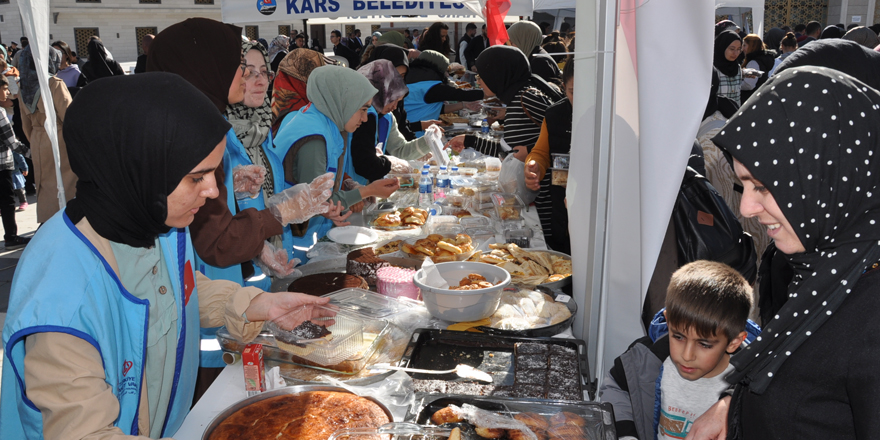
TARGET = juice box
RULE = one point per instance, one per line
(254, 369)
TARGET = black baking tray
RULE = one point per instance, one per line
(599, 417)
(435, 349)
(548, 331)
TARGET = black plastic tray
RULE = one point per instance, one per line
(434, 349)
(599, 416)
(540, 332)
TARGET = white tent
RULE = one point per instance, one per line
(757, 12)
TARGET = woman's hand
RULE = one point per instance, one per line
(473, 106)
(338, 214)
(274, 263)
(382, 188)
(712, 425)
(269, 306)
(456, 144)
(520, 153)
(531, 175)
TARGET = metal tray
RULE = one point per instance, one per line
(555, 284)
(550, 330)
(599, 416)
(297, 389)
(434, 349)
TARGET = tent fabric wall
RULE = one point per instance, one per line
(757, 11)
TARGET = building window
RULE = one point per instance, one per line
(284, 29)
(374, 28)
(349, 28)
(204, 2)
(82, 36)
(252, 32)
(140, 32)
(153, 2)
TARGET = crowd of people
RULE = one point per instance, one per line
(217, 168)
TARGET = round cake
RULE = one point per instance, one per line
(364, 263)
(324, 283)
(397, 282)
(313, 415)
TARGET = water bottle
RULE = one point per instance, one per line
(442, 184)
(426, 192)
(454, 172)
(484, 130)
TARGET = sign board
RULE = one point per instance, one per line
(251, 11)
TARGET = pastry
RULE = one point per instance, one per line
(534, 421)
(311, 415)
(449, 414)
(324, 283)
(387, 248)
(566, 432)
(364, 263)
(567, 418)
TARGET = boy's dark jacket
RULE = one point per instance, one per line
(633, 384)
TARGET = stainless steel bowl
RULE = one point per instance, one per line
(297, 389)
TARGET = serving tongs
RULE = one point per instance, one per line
(462, 370)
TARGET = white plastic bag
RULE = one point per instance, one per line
(434, 136)
(513, 179)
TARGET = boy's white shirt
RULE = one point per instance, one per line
(682, 401)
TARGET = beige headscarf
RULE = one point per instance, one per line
(525, 36)
(862, 35)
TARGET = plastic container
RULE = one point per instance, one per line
(558, 177)
(560, 161)
(426, 191)
(368, 304)
(467, 171)
(508, 208)
(480, 234)
(522, 237)
(347, 333)
(409, 180)
(493, 165)
(399, 430)
(463, 305)
(460, 198)
(476, 222)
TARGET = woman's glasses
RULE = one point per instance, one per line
(266, 74)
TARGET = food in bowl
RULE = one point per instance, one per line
(311, 415)
(473, 281)
(457, 305)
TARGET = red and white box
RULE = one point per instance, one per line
(254, 369)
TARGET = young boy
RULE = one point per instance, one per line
(667, 379)
(8, 144)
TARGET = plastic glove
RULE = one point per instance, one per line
(274, 263)
(247, 180)
(398, 165)
(303, 201)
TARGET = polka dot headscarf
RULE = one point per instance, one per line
(809, 135)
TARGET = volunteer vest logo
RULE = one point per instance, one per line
(266, 7)
(127, 385)
(125, 367)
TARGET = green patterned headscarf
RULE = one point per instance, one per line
(338, 92)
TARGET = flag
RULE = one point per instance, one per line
(494, 12)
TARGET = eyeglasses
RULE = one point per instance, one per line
(268, 75)
(245, 71)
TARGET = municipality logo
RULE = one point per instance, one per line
(266, 7)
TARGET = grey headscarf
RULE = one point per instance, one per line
(525, 36)
(252, 125)
(862, 35)
(338, 92)
(384, 77)
(30, 84)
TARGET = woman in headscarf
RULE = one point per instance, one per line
(399, 57)
(831, 32)
(527, 98)
(379, 132)
(106, 345)
(429, 88)
(862, 35)
(727, 72)
(289, 88)
(315, 140)
(99, 64)
(68, 70)
(757, 58)
(392, 37)
(33, 116)
(773, 38)
(278, 49)
(846, 56)
(812, 374)
(526, 36)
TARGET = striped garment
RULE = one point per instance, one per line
(8, 143)
(729, 86)
(521, 130)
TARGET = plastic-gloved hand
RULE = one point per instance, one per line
(398, 165)
(303, 201)
(247, 180)
(273, 262)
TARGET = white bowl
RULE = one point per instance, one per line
(463, 305)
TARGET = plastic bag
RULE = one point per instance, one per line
(324, 251)
(434, 137)
(395, 392)
(303, 201)
(513, 179)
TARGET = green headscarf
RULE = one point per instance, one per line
(525, 36)
(435, 58)
(393, 37)
(338, 92)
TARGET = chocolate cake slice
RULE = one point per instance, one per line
(365, 263)
(323, 283)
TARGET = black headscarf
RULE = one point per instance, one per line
(155, 128)
(505, 70)
(831, 32)
(203, 51)
(846, 56)
(810, 137)
(773, 38)
(397, 55)
(100, 67)
(722, 41)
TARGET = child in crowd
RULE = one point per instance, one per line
(18, 182)
(691, 340)
(8, 145)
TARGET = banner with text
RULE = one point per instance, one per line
(250, 11)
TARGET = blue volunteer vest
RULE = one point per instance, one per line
(383, 126)
(416, 107)
(308, 121)
(86, 299)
